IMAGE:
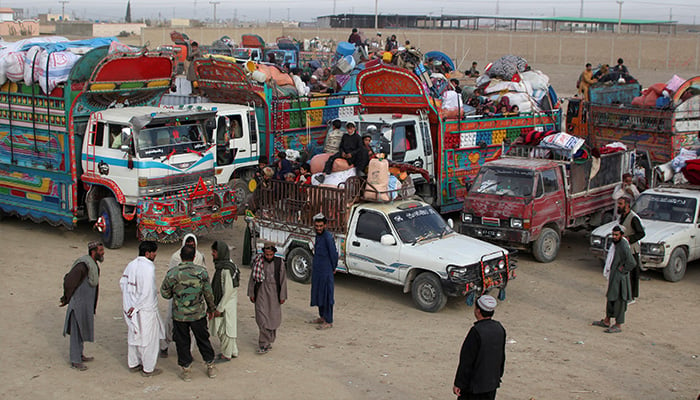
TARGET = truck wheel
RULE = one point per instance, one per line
(675, 269)
(427, 293)
(299, 265)
(240, 190)
(110, 217)
(546, 247)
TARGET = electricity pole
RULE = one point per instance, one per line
(214, 3)
(580, 13)
(619, 16)
(376, 14)
(63, 9)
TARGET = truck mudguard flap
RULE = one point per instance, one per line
(198, 210)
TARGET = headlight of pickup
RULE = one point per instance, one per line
(466, 218)
(516, 223)
(654, 249)
(596, 241)
(457, 274)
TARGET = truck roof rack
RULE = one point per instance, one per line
(525, 151)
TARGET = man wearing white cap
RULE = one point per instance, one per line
(483, 355)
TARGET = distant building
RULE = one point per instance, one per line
(6, 15)
(180, 23)
(52, 18)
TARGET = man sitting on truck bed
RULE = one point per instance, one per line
(351, 150)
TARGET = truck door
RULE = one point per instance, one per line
(365, 255)
(550, 201)
(426, 139)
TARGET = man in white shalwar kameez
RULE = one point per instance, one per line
(189, 240)
(140, 303)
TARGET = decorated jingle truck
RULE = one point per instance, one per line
(611, 117)
(527, 199)
(255, 119)
(410, 129)
(98, 148)
(401, 241)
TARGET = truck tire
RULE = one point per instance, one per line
(675, 269)
(427, 293)
(546, 247)
(299, 265)
(110, 213)
(240, 189)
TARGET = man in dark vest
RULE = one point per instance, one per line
(634, 232)
(483, 355)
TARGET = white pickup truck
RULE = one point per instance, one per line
(672, 230)
(402, 242)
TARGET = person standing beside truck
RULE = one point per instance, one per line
(483, 356)
(224, 286)
(194, 54)
(619, 263)
(322, 283)
(634, 231)
(80, 291)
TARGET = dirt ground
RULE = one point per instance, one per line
(381, 346)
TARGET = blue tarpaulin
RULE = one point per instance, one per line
(63, 46)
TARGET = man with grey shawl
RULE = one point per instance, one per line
(267, 288)
(618, 265)
(80, 291)
(225, 287)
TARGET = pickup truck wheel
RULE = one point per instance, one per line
(675, 269)
(546, 247)
(111, 223)
(240, 190)
(299, 265)
(427, 293)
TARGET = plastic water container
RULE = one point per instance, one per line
(259, 76)
(345, 48)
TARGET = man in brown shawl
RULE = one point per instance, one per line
(80, 290)
(267, 288)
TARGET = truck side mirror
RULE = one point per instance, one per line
(125, 140)
(450, 223)
(387, 240)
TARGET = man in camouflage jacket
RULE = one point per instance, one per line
(188, 285)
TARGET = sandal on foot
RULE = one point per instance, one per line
(613, 329)
(600, 323)
(262, 350)
(318, 320)
(220, 358)
(79, 366)
(138, 368)
(86, 358)
(324, 326)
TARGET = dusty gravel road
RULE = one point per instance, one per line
(381, 346)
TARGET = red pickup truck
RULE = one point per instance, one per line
(527, 199)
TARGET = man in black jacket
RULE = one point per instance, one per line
(350, 149)
(483, 355)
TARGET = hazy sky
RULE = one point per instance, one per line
(684, 11)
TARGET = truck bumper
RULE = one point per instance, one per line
(599, 253)
(653, 262)
(510, 238)
(169, 218)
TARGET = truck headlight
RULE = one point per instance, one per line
(209, 181)
(655, 249)
(466, 218)
(516, 223)
(501, 264)
(596, 241)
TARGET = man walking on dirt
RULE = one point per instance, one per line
(634, 232)
(188, 285)
(80, 291)
(483, 355)
(618, 264)
(324, 265)
(267, 289)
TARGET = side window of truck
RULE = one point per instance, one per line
(115, 136)
(98, 139)
(371, 226)
(549, 181)
(425, 133)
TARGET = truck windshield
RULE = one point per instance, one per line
(241, 53)
(159, 141)
(417, 224)
(665, 208)
(504, 181)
